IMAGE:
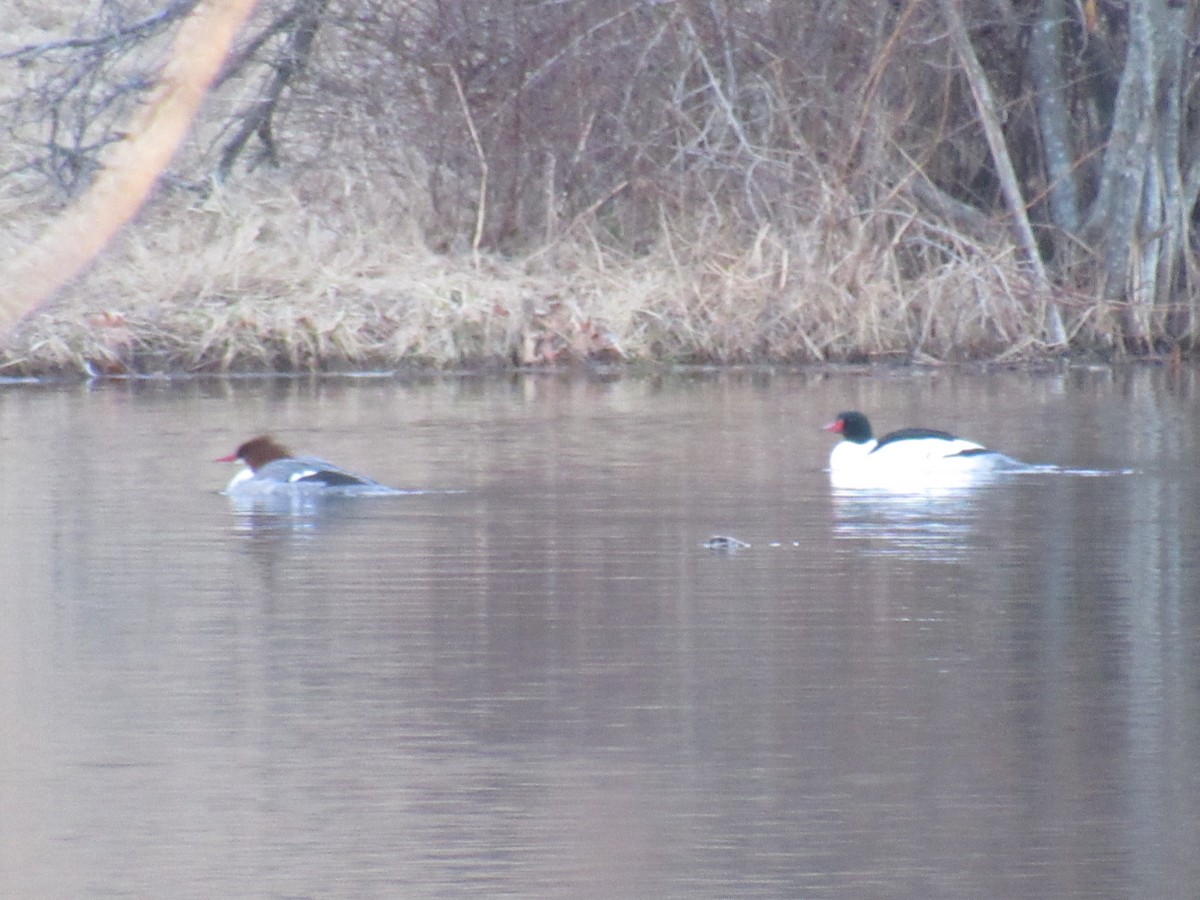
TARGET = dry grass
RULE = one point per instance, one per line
(271, 281)
(715, 233)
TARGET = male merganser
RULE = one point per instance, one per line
(910, 457)
(271, 468)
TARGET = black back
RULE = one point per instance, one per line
(907, 434)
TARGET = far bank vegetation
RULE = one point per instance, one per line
(531, 182)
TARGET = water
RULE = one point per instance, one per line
(534, 681)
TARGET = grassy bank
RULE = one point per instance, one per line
(783, 184)
(276, 278)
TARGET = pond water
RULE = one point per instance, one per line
(533, 681)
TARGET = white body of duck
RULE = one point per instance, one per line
(911, 458)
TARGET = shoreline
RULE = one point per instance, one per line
(615, 371)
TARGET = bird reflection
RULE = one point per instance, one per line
(930, 524)
(287, 510)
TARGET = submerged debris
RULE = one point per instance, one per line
(723, 542)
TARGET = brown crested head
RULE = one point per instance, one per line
(257, 452)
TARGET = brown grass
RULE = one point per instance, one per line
(413, 223)
(265, 282)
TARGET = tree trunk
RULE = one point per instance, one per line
(1139, 222)
(1054, 121)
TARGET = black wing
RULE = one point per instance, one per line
(331, 478)
(908, 434)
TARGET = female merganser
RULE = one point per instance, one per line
(913, 457)
(271, 468)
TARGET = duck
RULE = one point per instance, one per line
(270, 467)
(909, 457)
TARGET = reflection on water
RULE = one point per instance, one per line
(934, 524)
(285, 508)
(531, 678)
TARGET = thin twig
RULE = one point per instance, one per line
(481, 207)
